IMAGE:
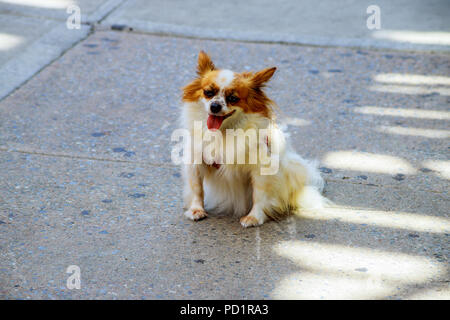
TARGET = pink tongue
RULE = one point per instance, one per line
(214, 122)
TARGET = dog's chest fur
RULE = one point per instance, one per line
(227, 189)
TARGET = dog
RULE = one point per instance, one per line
(219, 100)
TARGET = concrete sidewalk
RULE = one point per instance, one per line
(88, 181)
(85, 123)
(34, 33)
(405, 24)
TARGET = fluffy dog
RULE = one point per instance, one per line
(219, 100)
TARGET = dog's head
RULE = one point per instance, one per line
(225, 94)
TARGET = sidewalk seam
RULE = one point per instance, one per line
(170, 165)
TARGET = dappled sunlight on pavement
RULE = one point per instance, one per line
(416, 37)
(337, 272)
(9, 41)
(404, 112)
(426, 133)
(410, 89)
(367, 162)
(48, 4)
(411, 79)
(392, 219)
(442, 168)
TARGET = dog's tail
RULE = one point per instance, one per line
(310, 196)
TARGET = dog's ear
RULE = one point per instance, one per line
(205, 63)
(261, 77)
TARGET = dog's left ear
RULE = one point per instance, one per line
(205, 63)
(260, 78)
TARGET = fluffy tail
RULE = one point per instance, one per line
(311, 195)
(311, 198)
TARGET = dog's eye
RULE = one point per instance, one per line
(232, 99)
(209, 93)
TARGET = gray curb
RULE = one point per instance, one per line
(38, 55)
(220, 34)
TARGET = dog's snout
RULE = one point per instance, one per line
(216, 107)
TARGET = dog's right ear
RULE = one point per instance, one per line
(205, 63)
(261, 77)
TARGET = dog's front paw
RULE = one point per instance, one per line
(250, 221)
(195, 214)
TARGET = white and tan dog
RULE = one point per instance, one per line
(221, 100)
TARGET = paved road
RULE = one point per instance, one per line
(87, 180)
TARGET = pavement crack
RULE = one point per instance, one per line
(78, 157)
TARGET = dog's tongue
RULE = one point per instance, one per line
(214, 122)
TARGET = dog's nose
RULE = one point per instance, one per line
(216, 107)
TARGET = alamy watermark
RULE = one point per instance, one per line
(252, 146)
(74, 19)
(373, 21)
(74, 280)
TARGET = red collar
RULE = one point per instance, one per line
(216, 165)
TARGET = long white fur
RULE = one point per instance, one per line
(228, 189)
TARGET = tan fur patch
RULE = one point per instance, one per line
(246, 86)
(205, 64)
